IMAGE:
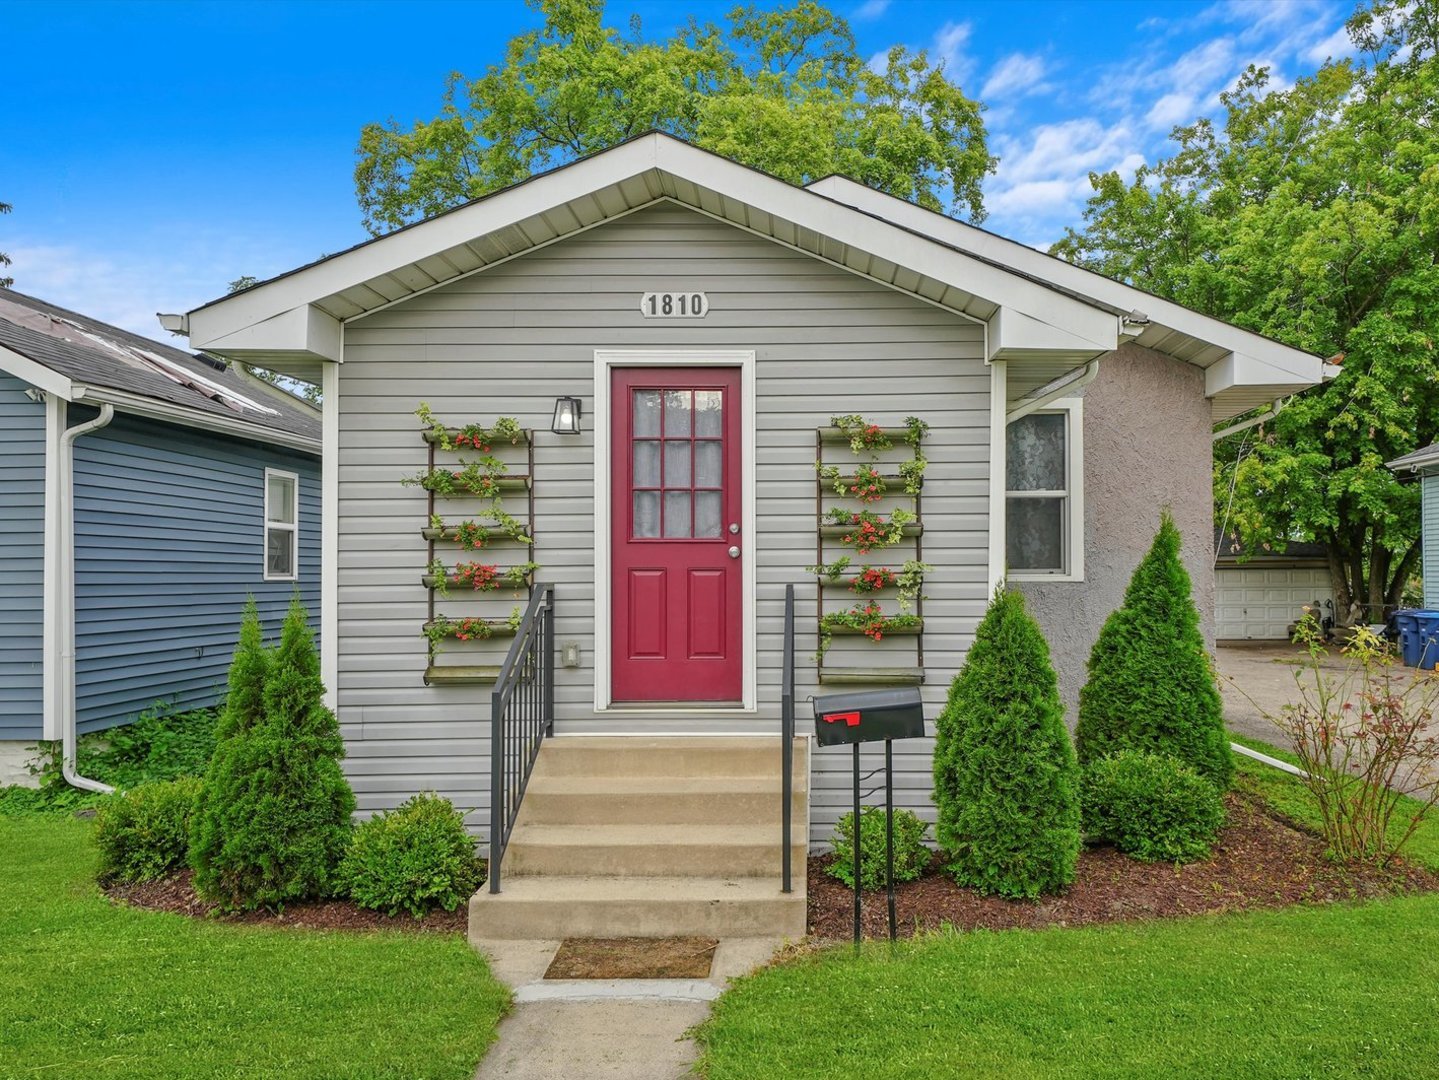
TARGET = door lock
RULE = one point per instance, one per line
(734, 527)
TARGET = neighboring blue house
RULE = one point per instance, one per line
(144, 493)
(1426, 463)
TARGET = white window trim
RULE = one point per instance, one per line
(605, 361)
(292, 527)
(1073, 411)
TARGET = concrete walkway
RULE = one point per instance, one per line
(618, 1029)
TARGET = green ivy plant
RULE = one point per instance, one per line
(866, 530)
(479, 478)
(476, 436)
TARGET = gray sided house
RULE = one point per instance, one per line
(147, 466)
(709, 321)
(1425, 462)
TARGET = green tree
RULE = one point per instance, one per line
(784, 91)
(1005, 777)
(1312, 216)
(1150, 686)
(5, 281)
(274, 814)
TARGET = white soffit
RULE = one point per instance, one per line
(295, 313)
(1248, 360)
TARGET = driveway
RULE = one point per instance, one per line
(1258, 680)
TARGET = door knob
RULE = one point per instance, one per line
(734, 553)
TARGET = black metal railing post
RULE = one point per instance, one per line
(522, 713)
(787, 737)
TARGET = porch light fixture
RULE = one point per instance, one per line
(567, 416)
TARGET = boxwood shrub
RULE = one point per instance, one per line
(1151, 806)
(910, 854)
(415, 858)
(143, 833)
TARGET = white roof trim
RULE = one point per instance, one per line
(1288, 365)
(268, 317)
(139, 405)
(36, 374)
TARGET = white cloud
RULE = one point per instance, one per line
(1336, 46)
(870, 9)
(1042, 182)
(1171, 109)
(1018, 75)
(949, 42)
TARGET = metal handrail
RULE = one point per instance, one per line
(786, 703)
(522, 714)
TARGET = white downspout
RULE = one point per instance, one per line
(67, 600)
(1244, 425)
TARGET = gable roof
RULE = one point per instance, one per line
(1042, 315)
(82, 359)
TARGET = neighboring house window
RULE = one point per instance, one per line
(1044, 494)
(282, 516)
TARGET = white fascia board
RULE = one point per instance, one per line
(137, 405)
(1420, 459)
(305, 331)
(416, 242)
(221, 327)
(1014, 335)
(1236, 370)
(36, 374)
(1290, 365)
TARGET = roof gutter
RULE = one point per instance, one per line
(1066, 384)
(66, 564)
(138, 405)
(1244, 425)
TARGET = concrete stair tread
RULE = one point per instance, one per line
(548, 784)
(664, 742)
(600, 888)
(681, 835)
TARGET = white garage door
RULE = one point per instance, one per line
(1260, 603)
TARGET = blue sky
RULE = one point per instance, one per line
(153, 152)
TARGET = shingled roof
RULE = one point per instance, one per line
(99, 356)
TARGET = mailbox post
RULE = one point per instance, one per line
(872, 716)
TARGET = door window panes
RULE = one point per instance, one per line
(677, 465)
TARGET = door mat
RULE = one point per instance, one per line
(633, 958)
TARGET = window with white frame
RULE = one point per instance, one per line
(1044, 508)
(282, 515)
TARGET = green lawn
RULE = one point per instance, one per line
(1337, 991)
(90, 989)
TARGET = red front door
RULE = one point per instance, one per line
(677, 577)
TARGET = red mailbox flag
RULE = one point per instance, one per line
(850, 718)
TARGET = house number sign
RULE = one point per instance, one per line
(674, 305)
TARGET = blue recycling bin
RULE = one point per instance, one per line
(1408, 620)
(1428, 643)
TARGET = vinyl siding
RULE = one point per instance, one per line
(22, 554)
(169, 542)
(508, 342)
(1430, 541)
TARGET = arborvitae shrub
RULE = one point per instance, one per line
(1005, 777)
(1150, 684)
(143, 833)
(1151, 806)
(415, 858)
(276, 807)
(910, 854)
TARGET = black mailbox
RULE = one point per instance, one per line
(872, 716)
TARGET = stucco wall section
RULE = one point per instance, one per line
(1146, 445)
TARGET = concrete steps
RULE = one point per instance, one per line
(651, 837)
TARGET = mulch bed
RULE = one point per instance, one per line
(1258, 862)
(633, 958)
(176, 894)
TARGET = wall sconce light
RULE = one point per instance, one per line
(567, 416)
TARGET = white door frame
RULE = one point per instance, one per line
(605, 361)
